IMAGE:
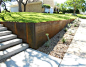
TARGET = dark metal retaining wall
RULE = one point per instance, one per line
(34, 33)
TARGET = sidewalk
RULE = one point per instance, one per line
(76, 53)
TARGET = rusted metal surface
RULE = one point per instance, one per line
(50, 27)
(35, 33)
(31, 35)
(21, 31)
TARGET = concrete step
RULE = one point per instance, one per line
(7, 37)
(7, 44)
(1, 25)
(2, 33)
(3, 28)
(12, 51)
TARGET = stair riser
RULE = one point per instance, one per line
(10, 44)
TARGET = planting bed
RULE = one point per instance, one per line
(56, 47)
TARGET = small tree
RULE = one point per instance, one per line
(1, 1)
(76, 4)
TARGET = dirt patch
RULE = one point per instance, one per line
(60, 42)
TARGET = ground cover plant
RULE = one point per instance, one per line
(33, 17)
(81, 16)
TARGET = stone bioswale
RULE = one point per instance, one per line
(34, 33)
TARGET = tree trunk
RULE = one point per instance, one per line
(20, 8)
(24, 7)
(74, 10)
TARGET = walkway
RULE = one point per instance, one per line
(75, 56)
(31, 58)
(76, 53)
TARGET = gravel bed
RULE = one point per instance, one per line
(56, 46)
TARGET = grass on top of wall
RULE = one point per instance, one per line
(32, 17)
(81, 16)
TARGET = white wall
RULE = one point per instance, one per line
(14, 9)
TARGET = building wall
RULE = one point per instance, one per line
(33, 7)
(50, 2)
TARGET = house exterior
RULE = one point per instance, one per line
(50, 2)
(32, 6)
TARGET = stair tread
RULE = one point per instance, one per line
(3, 28)
(7, 37)
(5, 33)
(9, 43)
(13, 50)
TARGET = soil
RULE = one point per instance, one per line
(59, 44)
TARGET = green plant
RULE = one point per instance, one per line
(45, 6)
(32, 17)
(48, 42)
(60, 12)
(69, 25)
(70, 33)
(63, 40)
(75, 25)
(65, 29)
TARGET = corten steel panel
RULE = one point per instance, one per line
(52, 28)
(10, 26)
(31, 34)
(21, 31)
(42, 28)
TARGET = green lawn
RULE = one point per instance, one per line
(81, 16)
(33, 17)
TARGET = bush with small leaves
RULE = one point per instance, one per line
(69, 25)
(63, 40)
(65, 29)
(75, 25)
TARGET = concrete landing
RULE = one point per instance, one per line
(31, 58)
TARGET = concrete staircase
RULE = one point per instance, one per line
(9, 44)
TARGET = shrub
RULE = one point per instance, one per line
(45, 6)
(65, 29)
(75, 25)
(64, 40)
(69, 25)
(60, 12)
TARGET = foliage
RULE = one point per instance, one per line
(32, 17)
(81, 16)
(65, 29)
(69, 25)
(75, 25)
(4, 5)
(60, 12)
(63, 40)
(76, 4)
(48, 42)
(61, 7)
(45, 6)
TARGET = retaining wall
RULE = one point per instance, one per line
(34, 33)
